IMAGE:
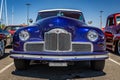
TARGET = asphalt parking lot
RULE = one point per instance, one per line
(43, 72)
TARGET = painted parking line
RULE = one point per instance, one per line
(5, 68)
(114, 61)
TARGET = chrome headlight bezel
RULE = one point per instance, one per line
(24, 35)
(92, 35)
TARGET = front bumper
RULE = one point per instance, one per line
(60, 56)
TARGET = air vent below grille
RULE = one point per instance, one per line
(34, 47)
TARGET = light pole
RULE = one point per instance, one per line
(101, 18)
(28, 4)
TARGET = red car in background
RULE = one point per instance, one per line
(112, 33)
(12, 29)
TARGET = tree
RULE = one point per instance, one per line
(2, 26)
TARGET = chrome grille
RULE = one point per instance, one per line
(57, 40)
(76, 47)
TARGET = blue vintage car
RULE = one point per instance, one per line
(59, 37)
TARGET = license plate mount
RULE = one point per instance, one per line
(58, 64)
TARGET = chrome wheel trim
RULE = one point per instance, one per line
(2, 51)
(118, 46)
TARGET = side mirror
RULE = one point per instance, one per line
(31, 20)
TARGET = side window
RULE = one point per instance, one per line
(118, 20)
(81, 18)
(111, 21)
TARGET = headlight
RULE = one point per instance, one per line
(24, 35)
(92, 35)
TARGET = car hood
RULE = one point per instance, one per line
(59, 22)
(69, 24)
(77, 28)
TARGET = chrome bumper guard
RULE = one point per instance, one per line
(45, 57)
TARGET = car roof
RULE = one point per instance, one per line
(60, 10)
(113, 14)
(15, 25)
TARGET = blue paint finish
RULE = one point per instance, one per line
(78, 30)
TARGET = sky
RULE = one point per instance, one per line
(90, 8)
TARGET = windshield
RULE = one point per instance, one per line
(71, 14)
(118, 20)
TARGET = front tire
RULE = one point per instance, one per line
(98, 65)
(2, 48)
(117, 48)
(21, 64)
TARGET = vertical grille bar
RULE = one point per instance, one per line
(51, 41)
(64, 41)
